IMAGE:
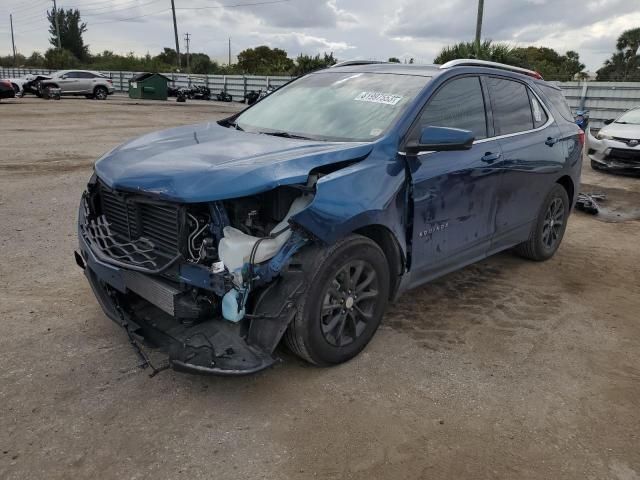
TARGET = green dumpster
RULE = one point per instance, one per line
(149, 86)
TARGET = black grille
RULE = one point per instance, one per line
(136, 218)
(624, 155)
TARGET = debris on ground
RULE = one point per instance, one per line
(587, 202)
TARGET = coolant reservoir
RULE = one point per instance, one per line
(235, 248)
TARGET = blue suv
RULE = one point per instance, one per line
(303, 216)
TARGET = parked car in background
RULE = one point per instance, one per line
(78, 82)
(6, 89)
(616, 146)
(304, 215)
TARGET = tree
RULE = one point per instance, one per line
(56, 59)
(549, 63)
(201, 63)
(624, 64)
(495, 52)
(393, 60)
(264, 60)
(71, 30)
(307, 63)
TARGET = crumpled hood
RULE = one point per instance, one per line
(622, 130)
(208, 162)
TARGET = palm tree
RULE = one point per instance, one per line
(624, 64)
(496, 52)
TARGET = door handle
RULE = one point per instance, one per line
(490, 157)
(551, 141)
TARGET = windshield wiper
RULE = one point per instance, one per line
(285, 135)
(232, 124)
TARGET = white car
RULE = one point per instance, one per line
(616, 146)
(19, 83)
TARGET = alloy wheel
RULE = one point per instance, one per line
(553, 223)
(348, 303)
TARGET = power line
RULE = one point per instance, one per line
(30, 7)
(110, 10)
(255, 4)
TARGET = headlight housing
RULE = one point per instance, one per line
(603, 136)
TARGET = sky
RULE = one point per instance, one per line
(352, 29)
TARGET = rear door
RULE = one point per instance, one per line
(532, 156)
(86, 81)
(454, 193)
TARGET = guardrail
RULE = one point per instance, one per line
(603, 99)
(235, 85)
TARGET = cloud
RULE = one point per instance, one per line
(297, 42)
(371, 29)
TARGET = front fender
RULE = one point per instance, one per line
(371, 192)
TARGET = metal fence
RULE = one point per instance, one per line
(603, 99)
(235, 85)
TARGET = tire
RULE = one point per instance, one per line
(332, 324)
(547, 234)
(100, 93)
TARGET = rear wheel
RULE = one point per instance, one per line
(549, 228)
(346, 298)
(100, 93)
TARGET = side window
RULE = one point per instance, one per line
(71, 75)
(86, 75)
(539, 115)
(510, 104)
(458, 104)
(556, 97)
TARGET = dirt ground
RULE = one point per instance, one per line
(507, 369)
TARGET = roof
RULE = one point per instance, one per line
(429, 70)
(393, 68)
(144, 75)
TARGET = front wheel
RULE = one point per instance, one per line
(344, 303)
(550, 226)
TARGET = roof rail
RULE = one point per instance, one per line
(357, 62)
(468, 62)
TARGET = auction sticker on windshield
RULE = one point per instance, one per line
(378, 97)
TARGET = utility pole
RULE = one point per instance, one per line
(187, 38)
(175, 31)
(229, 51)
(55, 16)
(13, 42)
(479, 26)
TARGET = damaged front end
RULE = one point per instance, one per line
(213, 285)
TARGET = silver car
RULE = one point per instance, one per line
(78, 82)
(616, 146)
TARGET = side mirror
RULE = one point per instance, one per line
(609, 121)
(441, 139)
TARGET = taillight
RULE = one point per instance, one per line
(110, 81)
(581, 137)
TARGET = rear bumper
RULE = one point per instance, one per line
(214, 347)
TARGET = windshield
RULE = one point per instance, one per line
(631, 117)
(334, 106)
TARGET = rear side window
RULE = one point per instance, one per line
(458, 104)
(511, 107)
(557, 99)
(539, 115)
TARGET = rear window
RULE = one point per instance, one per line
(557, 99)
(511, 107)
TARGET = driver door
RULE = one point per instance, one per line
(454, 192)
